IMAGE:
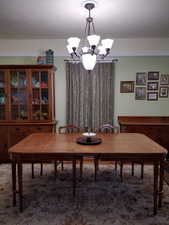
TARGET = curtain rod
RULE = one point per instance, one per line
(99, 61)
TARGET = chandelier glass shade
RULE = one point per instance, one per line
(89, 53)
(89, 61)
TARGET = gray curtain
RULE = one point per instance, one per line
(89, 95)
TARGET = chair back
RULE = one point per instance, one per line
(70, 128)
(108, 128)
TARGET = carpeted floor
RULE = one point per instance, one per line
(48, 200)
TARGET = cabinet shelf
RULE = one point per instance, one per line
(17, 104)
(40, 104)
(19, 87)
(40, 87)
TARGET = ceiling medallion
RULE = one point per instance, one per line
(91, 50)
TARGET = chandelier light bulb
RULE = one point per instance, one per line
(102, 50)
(93, 40)
(85, 49)
(73, 42)
(107, 43)
(88, 61)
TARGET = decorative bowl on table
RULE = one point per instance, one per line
(89, 135)
(89, 138)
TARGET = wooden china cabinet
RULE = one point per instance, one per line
(27, 103)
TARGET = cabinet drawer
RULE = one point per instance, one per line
(17, 133)
(3, 137)
(41, 129)
(19, 130)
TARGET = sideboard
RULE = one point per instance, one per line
(155, 127)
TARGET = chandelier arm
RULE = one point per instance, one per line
(107, 51)
(85, 34)
(78, 56)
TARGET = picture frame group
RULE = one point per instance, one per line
(149, 86)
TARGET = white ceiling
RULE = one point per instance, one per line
(64, 18)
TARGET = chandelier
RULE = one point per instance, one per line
(91, 50)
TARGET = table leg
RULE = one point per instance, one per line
(142, 170)
(132, 168)
(161, 184)
(55, 167)
(74, 177)
(81, 168)
(20, 185)
(33, 175)
(14, 182)
(121, 171)
(96, 167)
(156, 165)
(115, 165)
(41, 168)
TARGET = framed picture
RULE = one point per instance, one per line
(152, 86)
(164, 79)
(163, 92)
(153, 75)
(140, 93)
(152, 96)
(141, 78)
(126, 86)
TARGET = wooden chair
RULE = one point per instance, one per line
(56, 163)
(106, 128)
(70, 128)
(41, 169)
(62, 129)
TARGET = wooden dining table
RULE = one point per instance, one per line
(119, 147)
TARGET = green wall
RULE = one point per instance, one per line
(125, 103)
(125, 69)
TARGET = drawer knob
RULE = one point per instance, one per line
(39, 128)
(17, 128)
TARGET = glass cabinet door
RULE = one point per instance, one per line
(2, 96)
(19, 95)
(40, 95)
